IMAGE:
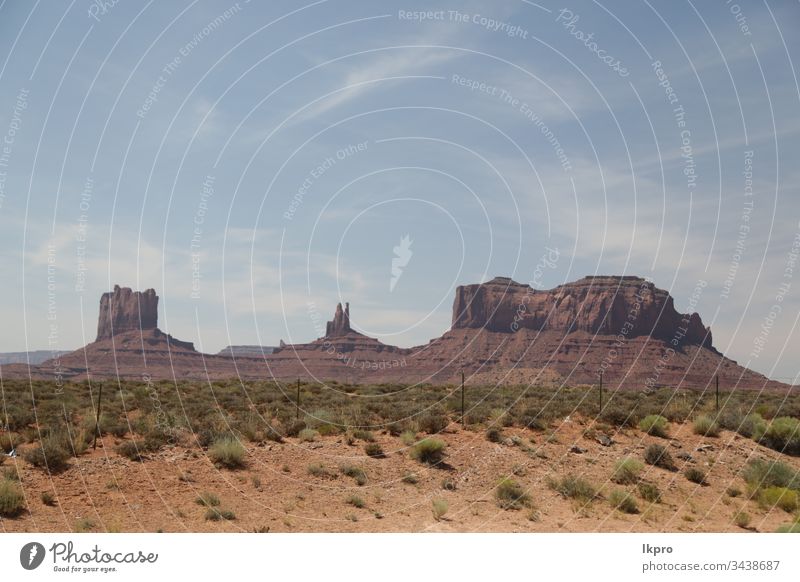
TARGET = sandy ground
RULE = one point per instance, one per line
(103, 491)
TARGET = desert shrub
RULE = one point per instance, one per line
(572, 487)
(307, 435)
(695, 475)
(214, 514)
(208, 500)
(782, 434)
(494, 435)
(617, 415)
(355, 501)
(733, 492)
(654, 425)
(781, 497)
(227, 452)
(9, 441)
(439, 508)
(319, 470)
(132, 450)
(449, 484)
(50, 454)
(704, 425)
(745, 424)
(410, 478)
(626, 471)
(428, 450)
(328, 429)
(84, 524)
(752, 425)
(511, 495)
(363, 435)
(760, 473)
(408, 438)
(742, 519)
(658, 456)
(294, 428)
(356, 473)
(12, 501)
(623, 501)
(790, 528)
(47, 498)
(433, 422)
(373, 450)
(649, 492)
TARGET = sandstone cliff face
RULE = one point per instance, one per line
(340, 325)
(630, 306)
(123, 310)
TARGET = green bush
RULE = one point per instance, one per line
(307, 435)
(429, 451)
(617, 415)
(356, 473)
(207, 500)
(494, 435)
(410, 478)
(704, 425)
(47, 498)
(213, 514)
(781, 497)
(695, 475)
(511, 495)
(373, 450)
(626, 471)
(752, 424)
(790, 528)
(649, 492)
(439, 508)
(408, 437)
(573, 487)
(319, 470)
(654, 425)
(132, 450)
(733, 492)
(363, 435)
(783, 434)
(50, 454)
(742, 519)
(227, 452)
(12, 501)
(623, 501)
(433, 422)
(761, 473)
(659, 456)
(356, 501)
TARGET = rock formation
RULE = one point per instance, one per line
(340, 326)
(630, 306)
(123, 310)
(502, 332)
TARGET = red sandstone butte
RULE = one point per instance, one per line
(502, 332)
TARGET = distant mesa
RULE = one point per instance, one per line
(246, 351)
(502, 331)
(603, 305)
(123, 310)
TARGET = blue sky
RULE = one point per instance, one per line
(324, 133)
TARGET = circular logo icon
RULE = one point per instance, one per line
(31, 555)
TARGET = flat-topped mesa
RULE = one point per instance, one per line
(123, 310)
(340, 326)
(607, 305)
